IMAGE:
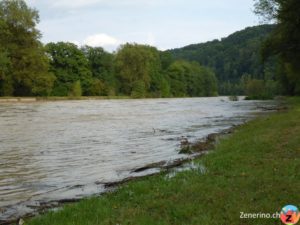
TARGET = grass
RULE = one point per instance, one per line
(256, 169)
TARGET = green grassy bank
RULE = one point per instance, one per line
(256, 169)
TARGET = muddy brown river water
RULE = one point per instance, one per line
(69, 149)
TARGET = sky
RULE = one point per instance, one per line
(165, 24)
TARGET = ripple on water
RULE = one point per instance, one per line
(57, 150)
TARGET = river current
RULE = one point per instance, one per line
(68, 149)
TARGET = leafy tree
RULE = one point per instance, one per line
(70, 65)
(98, 88)
(137, 64)
(177, 77)
(6, 83)
(284, 41)
(210, 82)
(138, 89)
(191, 79)
(255, 89)
(166, 59)
(102, 68)
(266, 9)
(165, 88)
(271, 88)
(76, 90)
(24, 65)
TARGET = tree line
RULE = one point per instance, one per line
(284, 41)
(236, 61)
(29, 68)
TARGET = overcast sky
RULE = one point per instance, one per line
(163, 23)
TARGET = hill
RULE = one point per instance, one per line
(230, 57)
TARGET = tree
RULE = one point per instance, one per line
(266, 9)
(191, 79)
(97, 88)
(210, 82)
(255, 89)
(284, 41)
(76, 90)
(6, 84)
(136, 65)
(102, 68)
(165, 88)
(166, 59)
(70, 65)
(139, 89)
(177, 77)
(24, 65)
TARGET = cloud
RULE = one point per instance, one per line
(101, 40)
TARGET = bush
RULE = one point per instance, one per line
(76, 90)
(138, 90)
(259, 90)
(233, 98)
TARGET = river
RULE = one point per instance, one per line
(68, 149)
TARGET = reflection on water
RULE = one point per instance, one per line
(55, 150)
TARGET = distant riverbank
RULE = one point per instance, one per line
(37, 99)
(70, 98)
(255, 170)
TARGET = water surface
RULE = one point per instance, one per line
(66, 149)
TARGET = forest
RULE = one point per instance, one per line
(260, 61)
(236, 60)
(29, 68)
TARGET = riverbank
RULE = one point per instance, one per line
(53, 98)
(255, 170)
(83, 98)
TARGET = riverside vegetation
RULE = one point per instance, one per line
(256, 169)
(29, 68)
(259, 61)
